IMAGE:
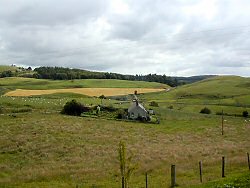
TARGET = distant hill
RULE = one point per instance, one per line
(192, 79)
(14, 71)
(216, 87)
(7, 68)
(227, 90)
(61, 73)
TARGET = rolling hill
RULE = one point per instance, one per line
(61, 73)
(223, 89)
(92, 87)
(42, 148)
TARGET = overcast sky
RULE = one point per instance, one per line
(172, 37)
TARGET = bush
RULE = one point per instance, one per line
(109, 108)
(171, 107)
(1, 110)
(74, 108)
(121, 113)
(153, 103)
(245, 113)
(102, 97)
(205, 111)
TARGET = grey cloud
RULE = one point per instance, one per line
(48, 12)
(162, 36)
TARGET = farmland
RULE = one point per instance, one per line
(39, 147)
(84, 91)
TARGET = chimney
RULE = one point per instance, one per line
(136, 102)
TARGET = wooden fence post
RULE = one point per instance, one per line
(200, 167)
(123, 182)
(146, 180)
(173, 176)
(223, 167)
(248, 161)
(222, 123)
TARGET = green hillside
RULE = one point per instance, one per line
(214, 88)
(222, 89)
(7, 68)
(228, 93)
(12, 71)
(39, 147)
(32, 83)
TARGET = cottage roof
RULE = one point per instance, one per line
(134, 106)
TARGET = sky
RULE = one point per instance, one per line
(176, 38)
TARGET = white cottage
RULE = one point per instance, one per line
(136, 110)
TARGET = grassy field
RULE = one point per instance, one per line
(84, 91)
(238, 180)
(6, 68)
(216, 90)
(39, 147)
(228, 93)
(31, 83)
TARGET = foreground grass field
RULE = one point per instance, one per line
(39, 147)
(51, 149)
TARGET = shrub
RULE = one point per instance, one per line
(205, 111)
(1, 110)
(109, 108)
(121, 113)
(74, 108)
(245, 113)
(102, 97)
(119, 116)
(171, 107)
(153, 103)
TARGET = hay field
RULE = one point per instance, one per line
(83, 91)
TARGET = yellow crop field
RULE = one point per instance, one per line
(85, 91)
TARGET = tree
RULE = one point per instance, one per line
(102, 97)
(7, 73)
(126, 167)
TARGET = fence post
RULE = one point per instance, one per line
(146, 179)
(248, 161)
(123, 182)
(200, 167)
(223, 167)
(173, 176)
(222, 123)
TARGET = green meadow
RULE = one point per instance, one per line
(39, 147)
(31, 83)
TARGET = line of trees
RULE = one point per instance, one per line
(60, 73)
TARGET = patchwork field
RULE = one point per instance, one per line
(39, 147)
(84, 91)
(31, 83)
